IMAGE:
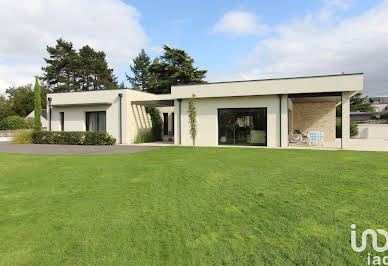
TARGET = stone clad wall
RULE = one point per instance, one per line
(8, 133)
(315, 117)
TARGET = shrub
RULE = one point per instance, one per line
(143, 137)
(353, 129)
(156, 121)
(72, 138)
(30, 122)
(13, 123)
(22, 137)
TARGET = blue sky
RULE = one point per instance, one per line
(233, 40)
(188, 25)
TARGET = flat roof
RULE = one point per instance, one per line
(269, 79)
(290, 85)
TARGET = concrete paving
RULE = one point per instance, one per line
(7, 147)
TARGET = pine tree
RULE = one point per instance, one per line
(38, 106)
(62, 67)
(174, 67)
(140, 72)
(69, 70)
(94, 72)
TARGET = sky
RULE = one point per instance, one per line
(233, 40)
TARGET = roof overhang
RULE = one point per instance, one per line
(154, 103)
(298, 85)
(80, 104)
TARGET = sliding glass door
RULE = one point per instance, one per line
(242, 126)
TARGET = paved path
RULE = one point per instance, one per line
(7, 147)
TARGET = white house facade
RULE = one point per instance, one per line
(258, 112)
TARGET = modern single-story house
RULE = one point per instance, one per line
(43, 118)
(254, 112)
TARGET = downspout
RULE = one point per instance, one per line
(120, 118)
(49, 104)
(180, 121)
(280, 118)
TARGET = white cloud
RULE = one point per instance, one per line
(15, 75)
(155, 49)
(316, 45)
(28, 26)
(239, 23)
(340, 4)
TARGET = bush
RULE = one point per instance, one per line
(73, 138)
(13, 123)
(156, 120)
(143, 137)
(353, 129)
(30, 122)
(22, 137)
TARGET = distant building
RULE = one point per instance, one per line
(380, 103)
(43, 118)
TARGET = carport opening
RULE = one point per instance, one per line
(166, 115)
(312, 120)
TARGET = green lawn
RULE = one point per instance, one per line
(182, 206)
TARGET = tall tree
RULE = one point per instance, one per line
(69, 70)
(140, 72)
(5, 108)
(62, 67)
(38, 106)
(174, 67)
(94, 72)
(21, 99)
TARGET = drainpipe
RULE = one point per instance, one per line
(120, 117)
(180, 121)
(49, 104)
(280, 117)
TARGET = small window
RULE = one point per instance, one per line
(62, 120)
(165, 124)
(96, 121)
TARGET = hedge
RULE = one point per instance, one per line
(12, 123)
(73, 138)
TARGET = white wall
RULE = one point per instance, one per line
(42, 119)
(207, 118)
(76, 104)
(334, 83)
(373, 131)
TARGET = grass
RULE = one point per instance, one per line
(182, 206)
(22, 137)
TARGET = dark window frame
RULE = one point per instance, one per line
(62, 120)
(172, 123)
(98, 120)
(165, 124)
(240, 109)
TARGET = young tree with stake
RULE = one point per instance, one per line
(192, 112)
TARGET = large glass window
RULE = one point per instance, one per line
(242, 126)
(96, 121)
